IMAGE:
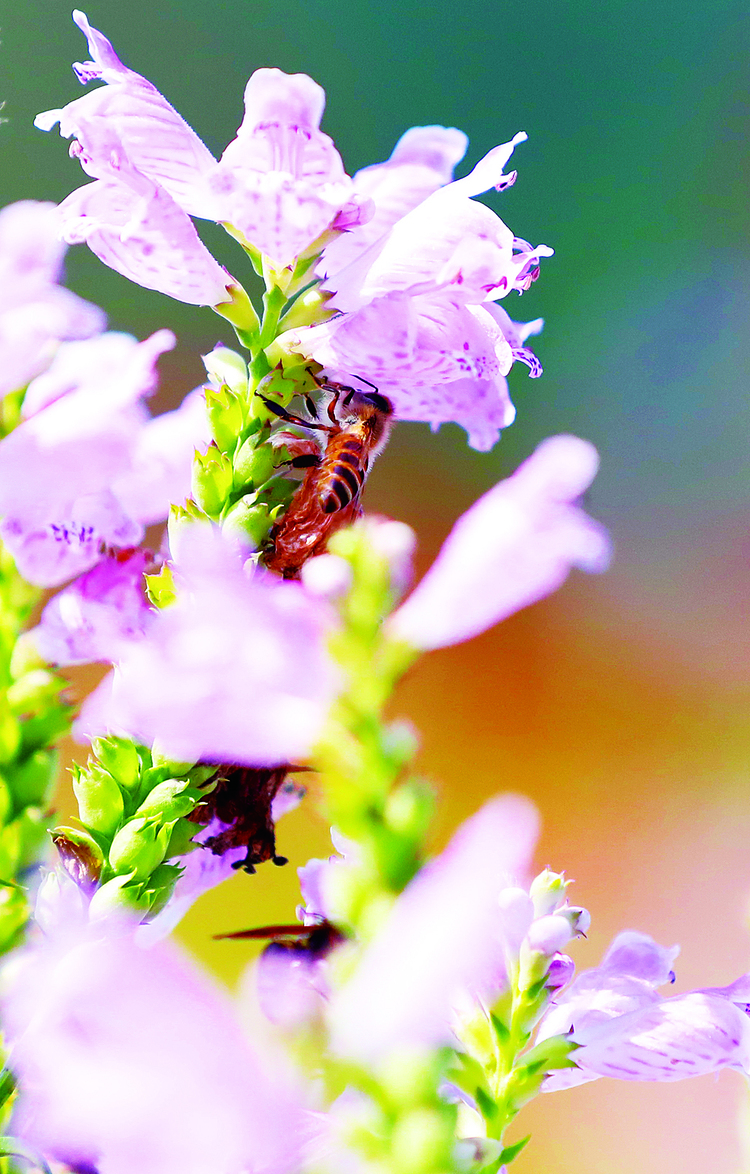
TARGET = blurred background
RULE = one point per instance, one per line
(621, 704)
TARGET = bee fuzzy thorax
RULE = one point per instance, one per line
(356, 426)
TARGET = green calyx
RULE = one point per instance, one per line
(134, 811)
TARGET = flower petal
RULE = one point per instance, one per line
(513, 547)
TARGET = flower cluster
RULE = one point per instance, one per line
(418, 1002)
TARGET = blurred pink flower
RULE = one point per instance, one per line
(235, 671)
(441, 938)
(35, 312)
(514, 546)
(61, 469)
(90, 619)
(130, 1059)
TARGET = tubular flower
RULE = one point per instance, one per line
(234, 671)
(426, 286)
(441, 937)
(280, 183)
(67, 472)
(626, 1029)
(116, 1045)
(514, 546)
(35, 312)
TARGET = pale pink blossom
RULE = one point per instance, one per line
(135, 227)
(281, 181)
(160, 467)
(92, 618)
(35, 312)
(418, 310)
(235, 671)
(421, 162)
(626, 1029)
(130, 1059)
(514, 546)
(130, 118)
(58, 469)
(440, 939)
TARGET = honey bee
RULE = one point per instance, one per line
(329, 496)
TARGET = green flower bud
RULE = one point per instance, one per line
(100, 802)
(225, 366)
(211, 480)
(80, 856)
(248, 520)
(139, 846)
(226, 413)
(120, 758)
(169, 800)
(160, 588)
(118, 894)
(253, 464)
(547, 891)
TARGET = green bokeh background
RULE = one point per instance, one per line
(620, 705)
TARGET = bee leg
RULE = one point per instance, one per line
(289, 417)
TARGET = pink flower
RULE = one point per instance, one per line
(514, 546)
(135, 227)
(235, 671)
(417, 304)
(35, 312)
(130, 1059)
(59, 470)
(421, 162)
(626, 1029)
(281, 182)
(441, 937)
(96, 614)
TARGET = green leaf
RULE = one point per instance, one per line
(485, 1103)
(500, 1028)
(512, 1151)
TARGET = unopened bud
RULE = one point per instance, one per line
(547, 891)
(80, 856)
(211, 480)
(561, 970)
(225, 366)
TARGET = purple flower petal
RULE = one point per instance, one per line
(161, 464)
(90, 619)
(235, 671)
(437, 360)
(136, 228)
(514, 546)
(281, 181)
(441, 937)
(129, 119)
(688, 1035)
(35, 313)
(421, 162)
(116, 1046)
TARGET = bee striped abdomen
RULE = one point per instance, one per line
(342, 475)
